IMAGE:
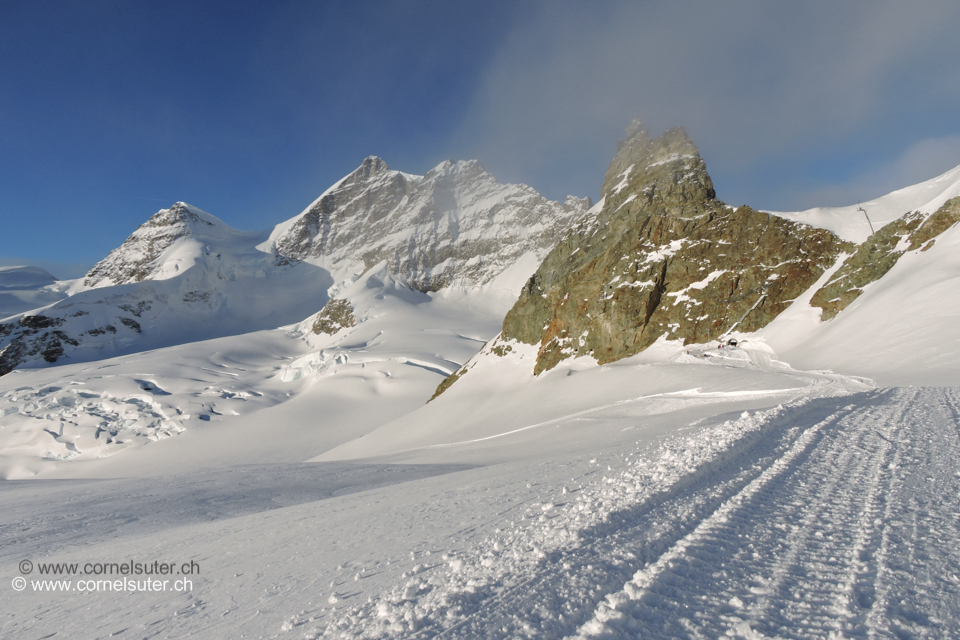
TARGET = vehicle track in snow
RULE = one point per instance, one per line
(853, 532)
(574, 581)
(831, 517)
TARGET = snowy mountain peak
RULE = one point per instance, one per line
(157, 249)
(642, 162)
(371, 166)
(183, 214)
(454, 225)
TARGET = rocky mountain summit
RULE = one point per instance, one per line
(456, 225)
(664, 258)
(660, 258)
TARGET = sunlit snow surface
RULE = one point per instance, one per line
(851, 224)
(685, 492)
(511, 506)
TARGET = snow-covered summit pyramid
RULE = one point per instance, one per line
(456, 225)
(183, 275)
(163, 246)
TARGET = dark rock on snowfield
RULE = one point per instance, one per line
(664, 258)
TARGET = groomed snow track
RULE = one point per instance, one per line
(831, 518)
(849, 530)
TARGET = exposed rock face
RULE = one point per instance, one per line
(875, 257)
(335, 315)
(664, 257)
(35, 337)
(136, 259)
(455, 225)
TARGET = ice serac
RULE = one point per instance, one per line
(662, 257)
(456, 225)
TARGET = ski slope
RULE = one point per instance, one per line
(824, 517)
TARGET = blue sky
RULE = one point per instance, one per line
(111, 110)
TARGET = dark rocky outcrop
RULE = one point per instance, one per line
(34, 336)
(875, 257)
(664, 257)
(335, 315)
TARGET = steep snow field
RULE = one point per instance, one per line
(850, 224)
(903, 329)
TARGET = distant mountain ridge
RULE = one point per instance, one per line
(454, 225)
(25, 287)
(659, 258)
(186, 275)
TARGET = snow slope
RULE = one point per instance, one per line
(850, 224)
(798, 521)
(316, 390)
(903, 330)
(25, 288)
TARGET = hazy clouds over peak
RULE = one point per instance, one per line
(773, 93)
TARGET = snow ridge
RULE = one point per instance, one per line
(455, 226)
(851, 224)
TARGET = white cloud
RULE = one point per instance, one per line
(753, 82)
